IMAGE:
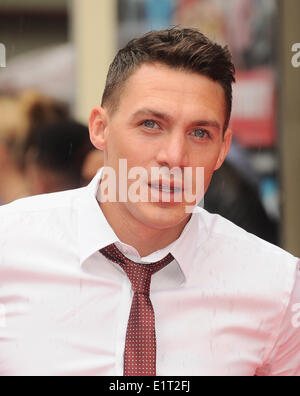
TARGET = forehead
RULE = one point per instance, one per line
(179, 91)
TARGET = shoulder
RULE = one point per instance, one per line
(235, 243)
(39, 225)
(244, 264)
(29, 214)
(40, 203)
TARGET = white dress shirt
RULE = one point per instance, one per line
(227, 305)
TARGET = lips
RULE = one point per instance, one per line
(163, 186)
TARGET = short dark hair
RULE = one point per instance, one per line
(179, 48)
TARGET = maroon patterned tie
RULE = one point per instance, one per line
(140, 346)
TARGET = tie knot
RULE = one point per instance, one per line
(138, 274)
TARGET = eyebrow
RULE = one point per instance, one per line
(153, 113)
(168, 118)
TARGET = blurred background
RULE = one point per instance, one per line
(57, 56)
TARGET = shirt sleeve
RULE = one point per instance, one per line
(284, 359)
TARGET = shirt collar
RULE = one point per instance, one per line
(95, 233)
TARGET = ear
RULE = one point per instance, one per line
(98, 127)
(226, 144)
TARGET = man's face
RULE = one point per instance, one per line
(165, 118)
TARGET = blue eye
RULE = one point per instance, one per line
(150, 124)
(201, 133)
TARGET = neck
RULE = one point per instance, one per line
(12, 186)
(134, 233)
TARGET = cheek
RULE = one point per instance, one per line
(137, 153)
(206, 158)
(115, 147)
(119, 142)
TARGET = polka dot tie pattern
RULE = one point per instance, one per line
(140, 345)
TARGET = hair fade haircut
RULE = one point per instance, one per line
(179, 48)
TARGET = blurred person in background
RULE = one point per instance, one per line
(234, 194)
(12, 130)
(18, 115)
(54, 156)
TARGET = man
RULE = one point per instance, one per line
(76, 267)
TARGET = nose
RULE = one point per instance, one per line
(173, 151)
